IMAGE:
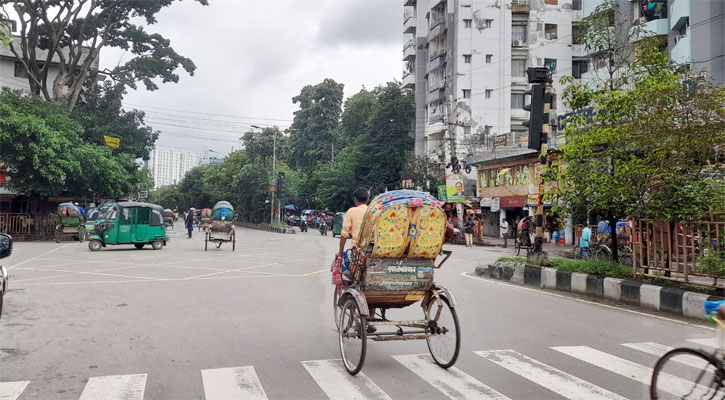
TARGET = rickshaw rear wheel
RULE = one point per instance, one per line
(139, 245)
(234, 240)
(157, 245)
(81, 233)
(517, 246)
(352, 336)
(95, 245)
(444, 341)
(206, 241)
(58, 233)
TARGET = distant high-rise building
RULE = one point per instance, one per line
(168, 166)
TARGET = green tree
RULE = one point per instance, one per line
(101, 113)
(75, 31)
(314, 128)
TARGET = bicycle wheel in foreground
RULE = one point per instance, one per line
(685, 373)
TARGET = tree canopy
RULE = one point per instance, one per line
(68, 36)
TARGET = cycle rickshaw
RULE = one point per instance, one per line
(205, 219)
(222, 226)
(392, 266)
(168, 218)
(70, 222)
(523, 236)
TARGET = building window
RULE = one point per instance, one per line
(467, 23)
(552, 105)
(487, 23)
(466, 93)
(467, 58)
(487, 130)
(579, 67)
(467, 130)
(518, 33)
(518, 67)
(517, 100)
(20, 70)
(576, 4)
(575, 37)
(488, 93)
(489, 58)
(550, 31)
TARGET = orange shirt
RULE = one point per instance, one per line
(352, 221)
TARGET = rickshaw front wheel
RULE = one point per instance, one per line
(95, 245)
(58, 233)
(444, 341)
(157, 245)
(353, 337)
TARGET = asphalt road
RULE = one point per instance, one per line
(182, 323)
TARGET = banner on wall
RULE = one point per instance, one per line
(495, 204)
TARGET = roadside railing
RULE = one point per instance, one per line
(15, 223)
(679, 251)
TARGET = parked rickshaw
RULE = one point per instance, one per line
(337, 226)
(205, 219)
(392, 266)
(222, 226)
(130, 222)
(168, 218)
(70, 223)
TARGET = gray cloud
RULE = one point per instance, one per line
(363, 22)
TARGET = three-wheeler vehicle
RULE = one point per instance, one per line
(337, 225)
(130, 222)
(222, 226)
(6, 249)
(392, 265)
(70, 223)
(92, 216)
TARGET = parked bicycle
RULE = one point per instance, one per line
(689, 373)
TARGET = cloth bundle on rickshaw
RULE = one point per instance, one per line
(222, 209)
(403, 222)
(206, 213)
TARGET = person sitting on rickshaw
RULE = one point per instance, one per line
(350, 228)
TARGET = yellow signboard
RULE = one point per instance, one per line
(112, 141)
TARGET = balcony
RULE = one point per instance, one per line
(437, 53)
(408, 14)
(679, 14)
(408, 79)
(656, 27)
(409, 51)
(436, 20)
(681, 53)
(520, 6)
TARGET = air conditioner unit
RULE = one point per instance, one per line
(516, 43)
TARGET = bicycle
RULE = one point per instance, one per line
(689, 373)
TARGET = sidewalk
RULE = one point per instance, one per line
(553, 250)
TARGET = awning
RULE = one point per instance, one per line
(290, 207)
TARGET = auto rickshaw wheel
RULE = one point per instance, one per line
(58, 233)
(234, 240)
(1, 303)
(157, 245)
(139, 245)
(206, 241)
(95, 245)
(81, 233)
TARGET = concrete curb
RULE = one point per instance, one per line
(266, 228)
(689, 304)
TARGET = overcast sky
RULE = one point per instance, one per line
(253, 56)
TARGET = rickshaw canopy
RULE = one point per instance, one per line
(222, 209)
(68, 210)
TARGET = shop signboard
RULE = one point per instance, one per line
(512, 201)
(442, 193)
(495, 204)
(486, 202)
(454, 188)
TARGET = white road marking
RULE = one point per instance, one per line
(334, 380)
(12, 390)
(115, 387)
(232, 383)
(549, 377)
(710, 342)
(452, 382)
(659, 350)
(640, 373)
(472, 275)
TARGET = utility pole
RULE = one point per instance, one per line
(332, 151)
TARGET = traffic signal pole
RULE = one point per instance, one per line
(540, 212)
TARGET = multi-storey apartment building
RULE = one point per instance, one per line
(466, 61)
(168, 166)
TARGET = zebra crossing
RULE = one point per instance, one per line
(331, 377)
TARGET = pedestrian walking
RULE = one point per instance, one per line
(584, 241)
(190, 221)
(468, 230)
(504, 227)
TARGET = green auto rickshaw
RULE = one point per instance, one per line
(130, 222)
(92, 215)
(337, 227)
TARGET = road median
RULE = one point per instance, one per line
(268, 228)
(631, 292)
